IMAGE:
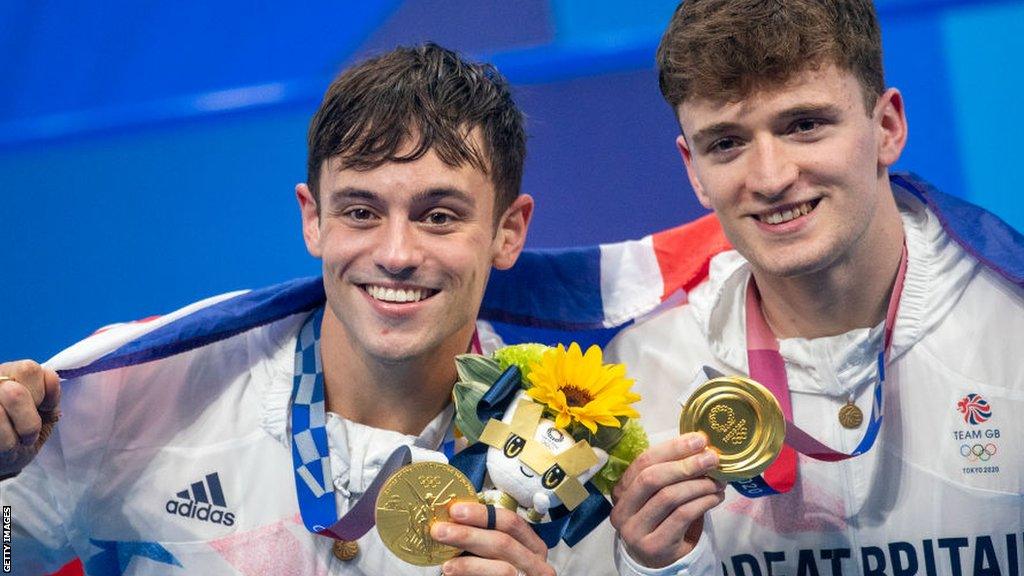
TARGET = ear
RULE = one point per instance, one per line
(511, 235)
(310, 212)
(687, 156)
(891, 119)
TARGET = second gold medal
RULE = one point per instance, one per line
(743, 423)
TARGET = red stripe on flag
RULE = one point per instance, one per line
(684, 253)
(73, 568)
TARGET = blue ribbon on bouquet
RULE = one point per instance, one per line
(568, 526)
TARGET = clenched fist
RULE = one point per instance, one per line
(29, 398)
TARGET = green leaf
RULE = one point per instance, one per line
(477, 368)
(476, 376)
(467, 397)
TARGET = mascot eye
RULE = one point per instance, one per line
(553, 477)
(514, 445)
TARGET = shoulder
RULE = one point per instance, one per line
(217, 356)
(983, 334)
(675, 323)
(691, 322)
(189, 328)
(958, 306)
(662, 351)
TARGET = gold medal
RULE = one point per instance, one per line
(411, 501)
(743, 423)
(850, 416)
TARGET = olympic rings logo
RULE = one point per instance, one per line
(978, 452)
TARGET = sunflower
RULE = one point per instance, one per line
(578, 387)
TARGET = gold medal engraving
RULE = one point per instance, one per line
(410, 502)
(850, 416)
(345, 550)
(722, 419)
(743, 423)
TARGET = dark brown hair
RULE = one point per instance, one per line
(427, 93)
(722, 50)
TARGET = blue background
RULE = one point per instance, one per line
(149, 150)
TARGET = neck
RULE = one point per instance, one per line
(401, 395)
(848, 294)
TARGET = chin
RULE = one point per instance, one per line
(793, 265)
(793, 259)
(389, 352)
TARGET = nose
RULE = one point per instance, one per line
(770, 170)
(398, 252)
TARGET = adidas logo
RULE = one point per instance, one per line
(202, 501)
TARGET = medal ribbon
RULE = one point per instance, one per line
(312, 462)
(767, 367)
(311, 457)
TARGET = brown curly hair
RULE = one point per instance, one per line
(722, 50)
(371, 111)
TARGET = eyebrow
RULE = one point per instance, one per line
(719, 129)
(431, 194)
(336, 197)
(351, 192)
(442, 192)
(713, 132)
(803, 110)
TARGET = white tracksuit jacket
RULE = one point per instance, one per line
(119, 482)
(936, 495)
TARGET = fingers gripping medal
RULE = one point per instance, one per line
(743, 423)
(409, 503)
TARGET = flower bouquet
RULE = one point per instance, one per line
(565, 420)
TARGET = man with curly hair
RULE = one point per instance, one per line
(872, 305)
(186, 440)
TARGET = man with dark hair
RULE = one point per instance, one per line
(851, 295)
(185, 439)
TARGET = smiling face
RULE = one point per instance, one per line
(797, 174)
(407, 248)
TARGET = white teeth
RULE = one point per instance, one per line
(787, 215)
(395, 295)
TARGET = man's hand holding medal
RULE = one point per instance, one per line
(551, 428)
(554, 420)
(731, 429)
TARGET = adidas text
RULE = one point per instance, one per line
(204, 512)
